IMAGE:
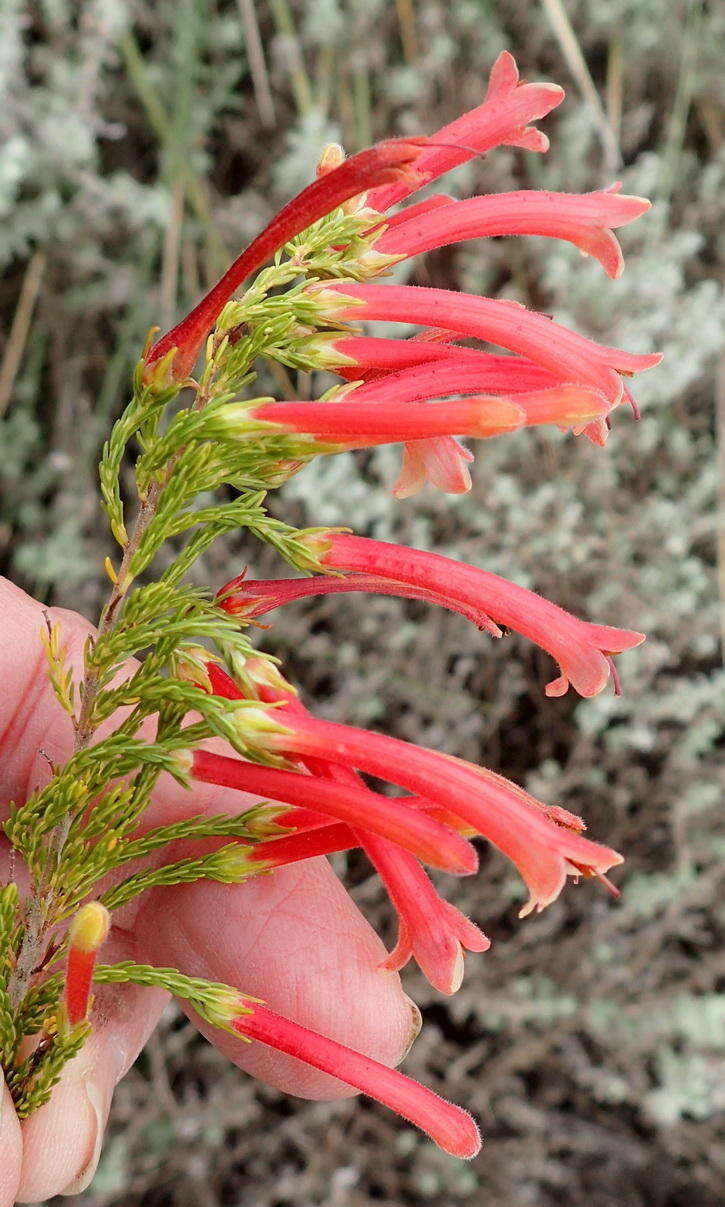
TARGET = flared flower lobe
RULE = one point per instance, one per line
(503, 119)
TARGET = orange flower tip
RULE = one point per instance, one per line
(90, 927)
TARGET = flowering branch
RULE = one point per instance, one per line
(172, 666)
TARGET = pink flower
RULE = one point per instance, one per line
(388, 161)
(569, 357)
(501, 120)
(417, 368)
(423, 392)
(430, 930)
(359, 422)
(413, 365)
(586, 220)
(411, 828)
(544, 852)
(583, 650)
(451, 1128)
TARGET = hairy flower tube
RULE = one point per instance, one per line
(544, 851)
(451, 1128)
(585, 220)
(204, 705)
(570, 357)
(582, 650)
(364, 421)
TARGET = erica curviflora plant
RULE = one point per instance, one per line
(85, 838)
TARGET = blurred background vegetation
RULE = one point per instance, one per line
(143, 144)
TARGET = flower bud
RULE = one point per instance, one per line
(88, 931)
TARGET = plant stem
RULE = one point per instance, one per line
(38, 916)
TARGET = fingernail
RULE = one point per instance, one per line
(84, 1178)
(416, 1024)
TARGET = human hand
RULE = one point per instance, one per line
(293, 938)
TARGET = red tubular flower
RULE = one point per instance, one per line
(251, 598)
(272, 688)
(430, 929)
(451, 1128)
(542, 841)
(522, 828)
(570, 357)
(501, 120)
(582, 650)
(86, 934)
(434, 369)
(355, 422)
(586, 220)
(423, 369)
(412, 829)
(390, 161)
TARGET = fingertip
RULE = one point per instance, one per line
(296, 940)
(11, 1148)
(62, 1140)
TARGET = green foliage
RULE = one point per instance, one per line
(215, 1002)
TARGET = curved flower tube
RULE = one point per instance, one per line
(411, 828)
(582, 650)
(449, 1126)
(570, 357)
(434, 369)
(544, 852)
(250, 598)
(429, 929)
(354, 422)
(392, 160)
(586, 220)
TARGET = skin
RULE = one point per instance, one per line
(293, 938)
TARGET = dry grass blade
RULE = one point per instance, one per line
(22, 319)
(577, 64)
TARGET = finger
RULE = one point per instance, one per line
(10, 1148)
(32, 724)
(62, 1140)
(295, 939)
